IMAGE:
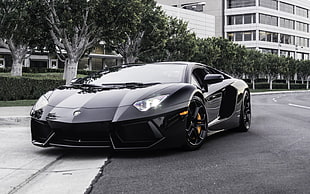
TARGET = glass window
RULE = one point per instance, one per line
(302, 56)
(268, 36)
(287, 7)
(262, 36)
(238, 19)
(248, 18)
(286, 23)
(230, 36)
(303, 42)
(241, 19)
(240, 3)
(287, 39)
(302, 27)
(272, 51)
(193, 6)
(247, 36)
(268, 19)
(301, 11)
(241, 36)
(230, 20)
(163, 73)
(238, 36)
(275, 37)
(272, 4)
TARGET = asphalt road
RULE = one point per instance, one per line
(273, 157)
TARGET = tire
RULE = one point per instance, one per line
(196, 125)
(245, 113)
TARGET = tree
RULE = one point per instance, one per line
(304, 71)
(288, 68)
(254, 64)
(73, 29)
(139, 32)
(20, 30)
(207, 52)
(271, 67)
(181, 43)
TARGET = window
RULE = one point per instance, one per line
(230, 20)
(247, 36)
(303, 42)
(193, 6)
(238, 36)
(268, 36)
(302, 56)
(286, 23)
(287, 7)
(241, 36)
(272, 51)
(301, 12)
(268, 19)
(248, 19)
(240, 3)
(287, 39)
(272, 4)
(241, 19)
(302, 27)
(198, 76)
(2, 63)
(287, 53)
(230, 36)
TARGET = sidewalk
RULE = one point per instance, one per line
(18, 115)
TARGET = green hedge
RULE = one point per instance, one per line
(265, 85)
(46, 70)
(12, 88)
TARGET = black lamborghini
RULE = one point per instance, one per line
(169, 104)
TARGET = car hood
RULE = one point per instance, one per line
(104, 98)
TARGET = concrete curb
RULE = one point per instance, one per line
(278, 92)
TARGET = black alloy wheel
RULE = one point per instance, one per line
(245, 114)
(196, 128)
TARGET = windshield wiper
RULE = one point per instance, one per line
(131, 84)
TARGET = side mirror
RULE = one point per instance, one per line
(212, 79)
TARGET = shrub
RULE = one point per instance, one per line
(13, 88)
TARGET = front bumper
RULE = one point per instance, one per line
(162, 131)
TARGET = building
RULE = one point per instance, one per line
(210, 8)
(271, 26)
(202, 24)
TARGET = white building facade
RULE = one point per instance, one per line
(202, 24)
(271, 26)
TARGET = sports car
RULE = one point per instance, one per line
(142, 106)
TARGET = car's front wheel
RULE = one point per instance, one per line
(196, 127)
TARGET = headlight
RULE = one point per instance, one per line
(145, 105)
(42, 102)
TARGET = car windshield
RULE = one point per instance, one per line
(150, 73)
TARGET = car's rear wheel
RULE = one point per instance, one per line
(196, 128)
(245, 113)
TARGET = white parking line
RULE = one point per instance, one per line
(299, 106)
